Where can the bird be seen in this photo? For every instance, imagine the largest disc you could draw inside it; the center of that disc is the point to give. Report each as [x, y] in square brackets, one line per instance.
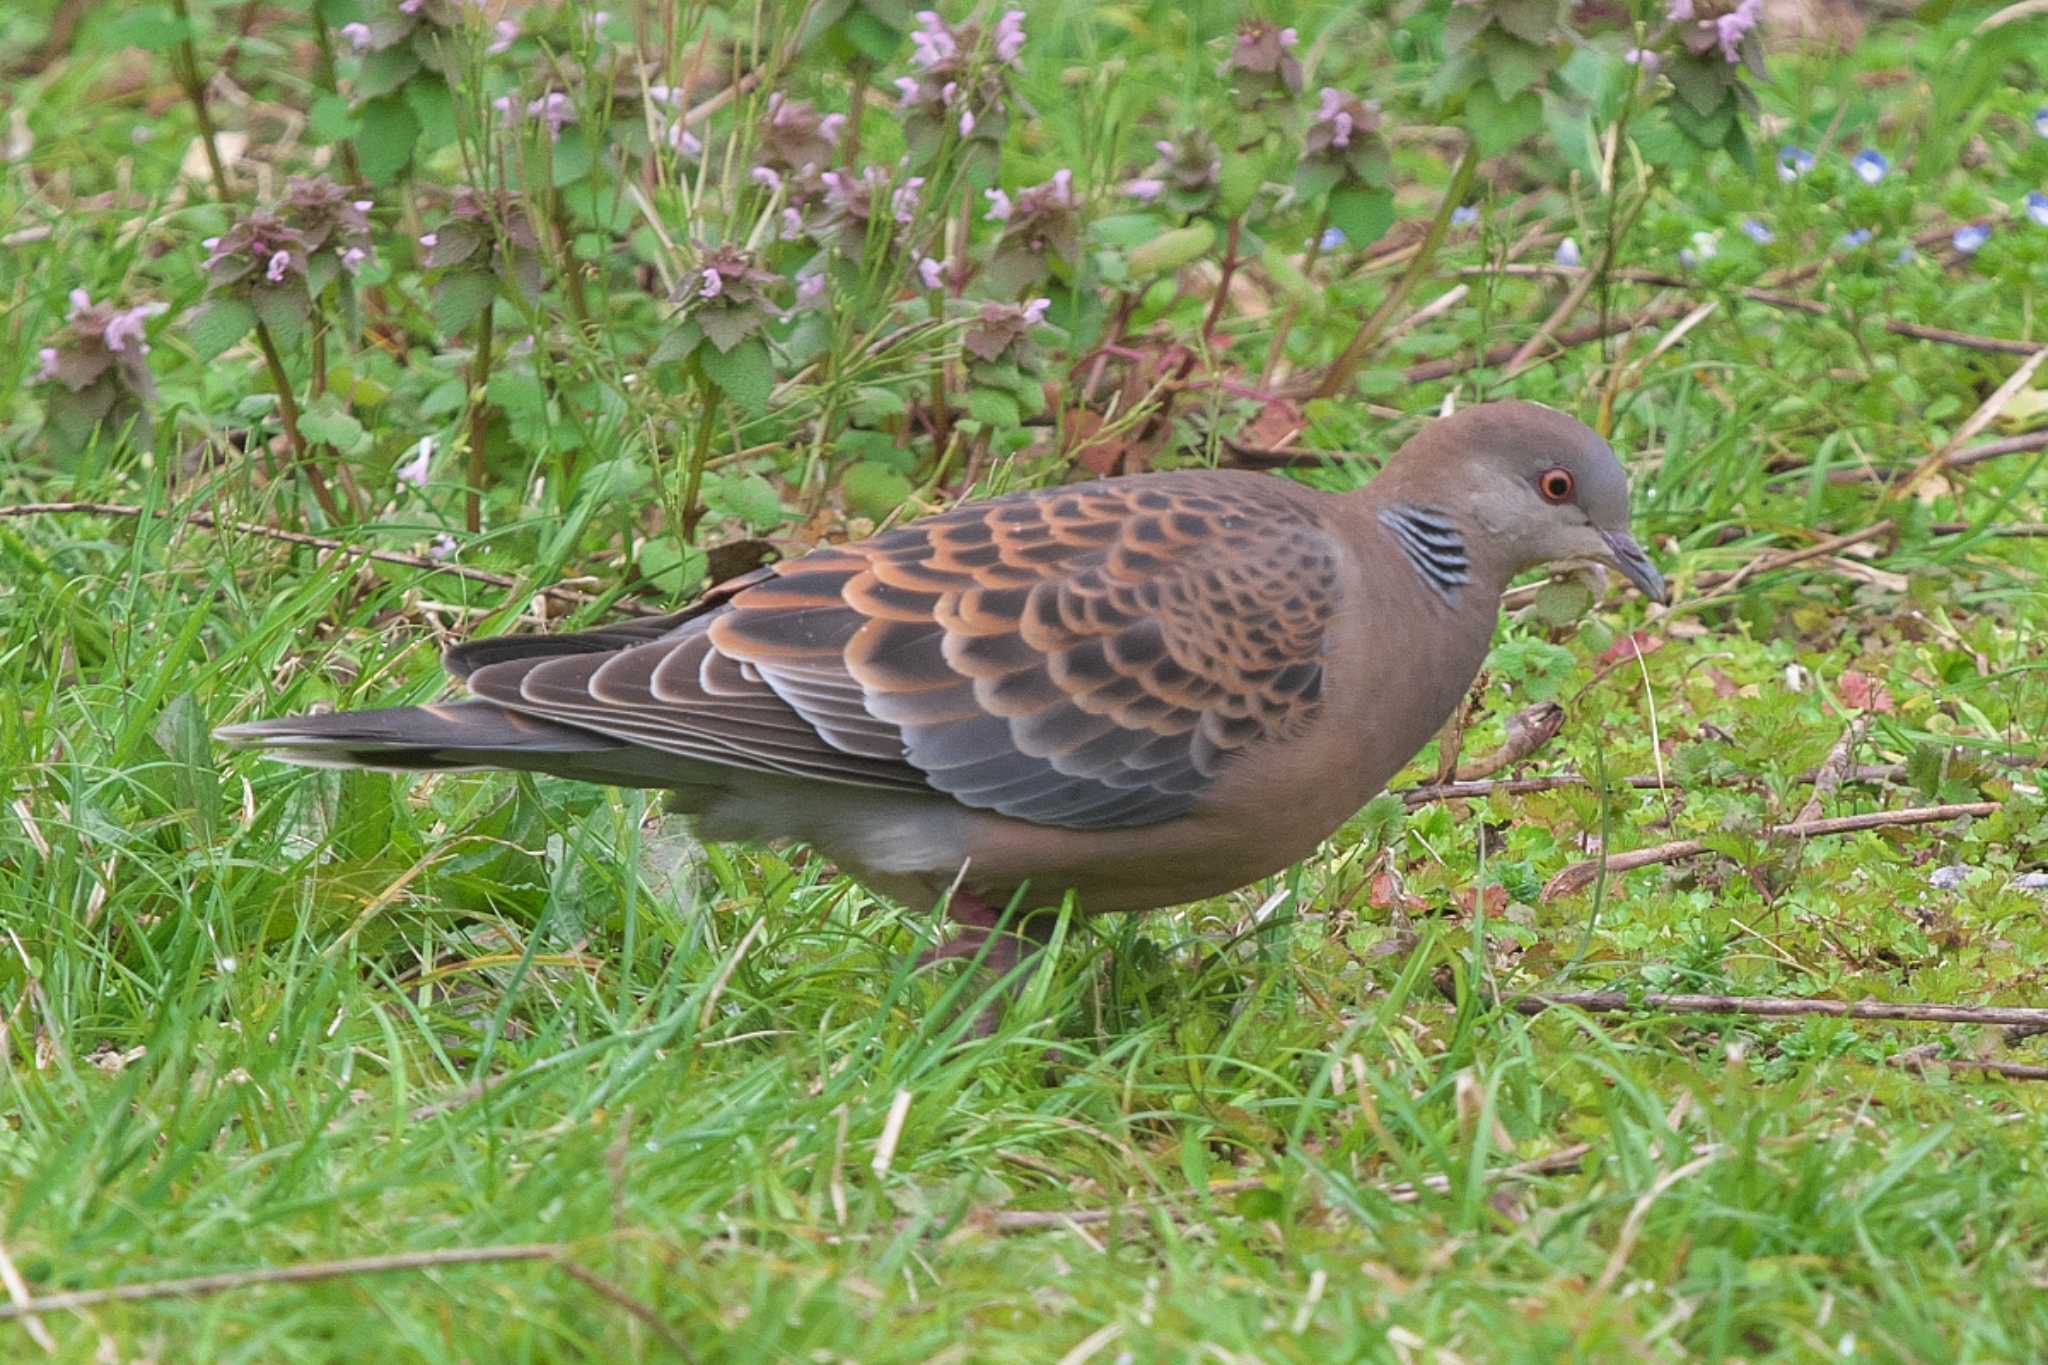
[1143, 691]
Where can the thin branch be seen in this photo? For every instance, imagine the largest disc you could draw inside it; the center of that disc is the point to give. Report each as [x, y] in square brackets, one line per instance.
[1562, 1161]
[1773, 1007]
[2014, 384]
[1721, 585]
[207, 520]
[1580, 875]
[1566, 340]
[639, 1308]
[1835, 771]
[196, 1286]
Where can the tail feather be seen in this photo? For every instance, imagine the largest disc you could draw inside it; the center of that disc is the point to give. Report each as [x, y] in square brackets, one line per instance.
[447, 735]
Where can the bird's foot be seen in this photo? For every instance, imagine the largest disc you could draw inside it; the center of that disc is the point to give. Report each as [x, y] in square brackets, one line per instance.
[1000, 948]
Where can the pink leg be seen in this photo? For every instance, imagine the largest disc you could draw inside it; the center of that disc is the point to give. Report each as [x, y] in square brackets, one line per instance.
[980, 926]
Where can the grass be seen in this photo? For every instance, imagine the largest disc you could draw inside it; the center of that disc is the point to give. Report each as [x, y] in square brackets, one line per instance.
[253, 1017]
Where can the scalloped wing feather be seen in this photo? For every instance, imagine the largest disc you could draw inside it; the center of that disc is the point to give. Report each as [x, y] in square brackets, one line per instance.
[1088, 657]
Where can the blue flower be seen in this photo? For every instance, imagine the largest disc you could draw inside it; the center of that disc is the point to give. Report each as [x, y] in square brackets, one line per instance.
[1852, 240]
[1333, 238]
[1869, 165]
[1793, 162]
[1464, 216]
[2041, 121]
[2037, 207]
[1758, 232]
[1907, 255]
[1968, 239]
[1568, 252]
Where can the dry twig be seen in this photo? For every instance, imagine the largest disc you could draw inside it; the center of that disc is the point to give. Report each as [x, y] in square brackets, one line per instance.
[1581, 875]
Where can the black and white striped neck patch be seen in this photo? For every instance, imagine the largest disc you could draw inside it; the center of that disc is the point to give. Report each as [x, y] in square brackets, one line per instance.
[1434, 548]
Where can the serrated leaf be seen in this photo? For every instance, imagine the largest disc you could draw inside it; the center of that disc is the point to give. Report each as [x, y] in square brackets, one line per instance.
[994, 407]
[1498, 125]
[749, 497]
[1512, 65]
[454, 243]
[283, 312]
[219, 325]
[383, 72]
[327, 423]
[330, 119]
[384, 146]
[872, 404]
[870, 37]
[677, 570]
[744, 374]
[522, 396]
[433, 104]
[874, 490]
[461, 298]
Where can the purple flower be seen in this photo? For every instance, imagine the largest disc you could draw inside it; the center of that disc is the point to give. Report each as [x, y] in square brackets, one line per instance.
[1732, 27]
[444, 547]
[280, 261]
[1793, 162]
[712, 286]
[2037, 207]
[999, 206]
[556, 110]
[1145, 188]
[358, 36]
[1568, 253]
[932, 272]
[810, 289]
[967, 123]
[1034, 311]
[48, 355]
[683, 141]
[80, 301]
[507, 33]
[353, 259]
[1968, 239]
[1679, 11]
[1643, 57]
[413, 473]
[792, 224]
[1010, 36]
[125, 327]
[1852, 241]
[428, 239]
[1333, 113]
[763, 175]
[1465, 215]
[933, 43]
[508, 109]
[907, 90]
[1870, 165]
[410, 6]
[903, 201]
[1758, 232]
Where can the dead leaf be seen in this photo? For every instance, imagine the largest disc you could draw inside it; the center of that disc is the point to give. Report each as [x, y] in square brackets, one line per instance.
[1861, 692]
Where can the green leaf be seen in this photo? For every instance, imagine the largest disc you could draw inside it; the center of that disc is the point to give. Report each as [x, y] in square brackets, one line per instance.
[1239, 183]
[149, 28]
[1363, 214]
[749, 497]
[574, 155]
[284, 312]
[744, 374]
[384, 146]
[461, 298]
[182, 733]
[1499, 125]
[383, 72]
[219, 325]
[433, 104]
[994, 407]
[522, 396]
[872, 404]
[1512, 65]
[1313, 179]
[874, 490]
[328, 423]
[331, 120]
[677, 570]
[1172, 250]
[1127, 230]
[870, 37]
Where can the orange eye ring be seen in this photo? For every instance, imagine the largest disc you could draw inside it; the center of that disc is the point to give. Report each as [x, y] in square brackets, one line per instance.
[1556, 485]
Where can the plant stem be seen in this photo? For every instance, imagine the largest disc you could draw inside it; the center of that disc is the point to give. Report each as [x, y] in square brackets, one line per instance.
[1340, 374]
[479, 422]
[1293, 309]
[288, 413]
[700, 455]
[185, 66]
[324, 40]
